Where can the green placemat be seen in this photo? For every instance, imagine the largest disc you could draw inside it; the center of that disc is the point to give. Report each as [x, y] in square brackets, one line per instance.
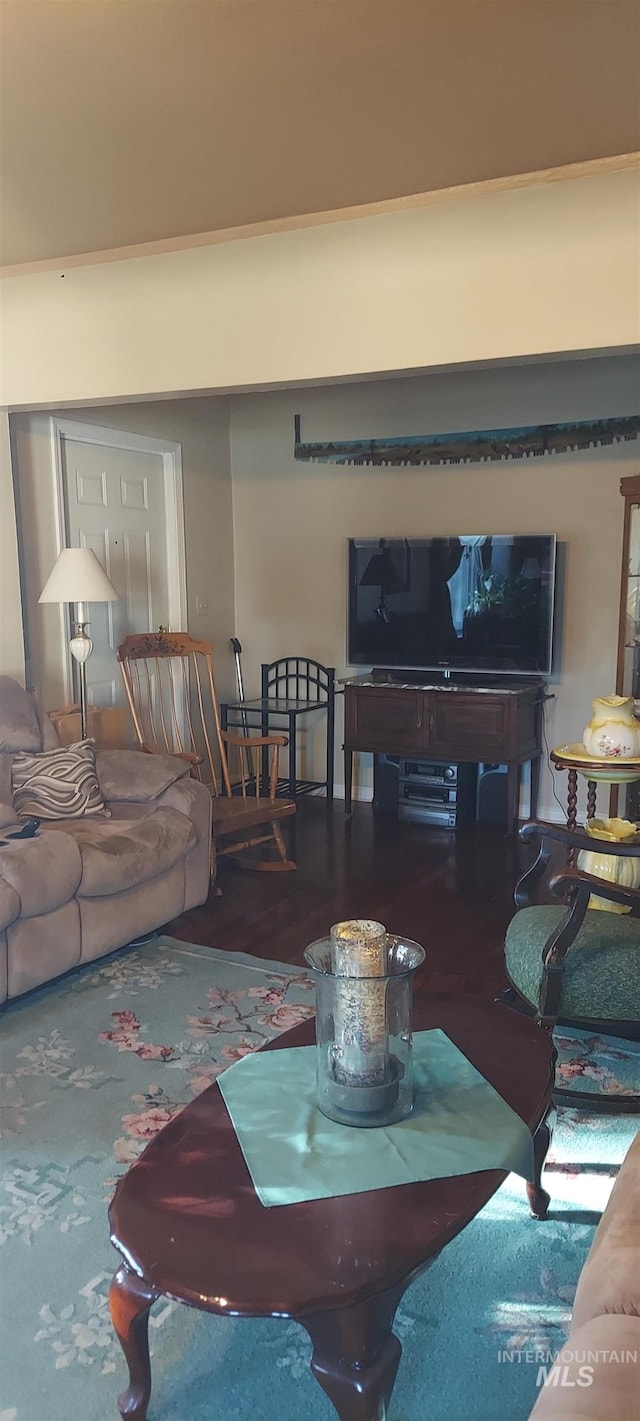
[459, 1125]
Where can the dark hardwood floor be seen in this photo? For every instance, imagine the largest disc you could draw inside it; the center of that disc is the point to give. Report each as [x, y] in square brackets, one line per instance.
[450, 890]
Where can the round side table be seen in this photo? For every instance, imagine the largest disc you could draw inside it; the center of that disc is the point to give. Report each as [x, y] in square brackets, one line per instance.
[577, 761]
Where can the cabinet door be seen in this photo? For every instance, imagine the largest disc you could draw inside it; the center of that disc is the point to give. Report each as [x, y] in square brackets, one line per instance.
[629, 668]
[384, 719]
[473, 727]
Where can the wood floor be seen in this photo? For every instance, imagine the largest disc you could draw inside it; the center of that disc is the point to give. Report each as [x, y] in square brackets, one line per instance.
[450, 891]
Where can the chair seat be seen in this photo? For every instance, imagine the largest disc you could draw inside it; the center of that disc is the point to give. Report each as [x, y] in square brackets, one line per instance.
[601, 969]
[239, 812]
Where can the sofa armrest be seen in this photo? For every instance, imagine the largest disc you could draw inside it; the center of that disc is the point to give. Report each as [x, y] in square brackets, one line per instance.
[610, 1279]
[595, 1377]
[193, 799]
[131, 775]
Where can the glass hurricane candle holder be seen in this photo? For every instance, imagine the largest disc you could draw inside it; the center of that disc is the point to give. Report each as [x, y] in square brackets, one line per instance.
[364, 990]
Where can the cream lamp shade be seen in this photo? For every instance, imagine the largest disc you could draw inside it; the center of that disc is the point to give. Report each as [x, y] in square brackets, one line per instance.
[77, 576]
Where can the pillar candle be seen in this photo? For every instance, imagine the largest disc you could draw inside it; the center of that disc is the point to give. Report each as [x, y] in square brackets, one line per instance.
[359, 951]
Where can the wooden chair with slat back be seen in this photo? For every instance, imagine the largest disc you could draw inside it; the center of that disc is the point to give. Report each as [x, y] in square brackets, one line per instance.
[170, 687]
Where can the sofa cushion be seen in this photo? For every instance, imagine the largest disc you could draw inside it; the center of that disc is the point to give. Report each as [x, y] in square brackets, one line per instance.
[133, 810]
[44, 871]
[19, 729]
[42, 948]
[6, 792]
[132, 775]
[601, 969]
[7, 811]
[50, 739]
[9, 904]
[7, 815]
[57, 784]
[117, 854]
[108, 922]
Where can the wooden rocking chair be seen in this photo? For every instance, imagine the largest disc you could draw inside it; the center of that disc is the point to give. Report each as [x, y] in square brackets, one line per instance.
[170, 687]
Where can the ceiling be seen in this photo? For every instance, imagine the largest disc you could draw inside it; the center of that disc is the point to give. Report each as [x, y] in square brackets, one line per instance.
[130, 121]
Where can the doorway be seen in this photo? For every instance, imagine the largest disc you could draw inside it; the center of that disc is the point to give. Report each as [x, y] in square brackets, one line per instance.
[121, 495]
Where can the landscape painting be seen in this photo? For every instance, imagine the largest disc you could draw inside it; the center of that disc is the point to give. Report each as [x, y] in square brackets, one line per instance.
[471, 446]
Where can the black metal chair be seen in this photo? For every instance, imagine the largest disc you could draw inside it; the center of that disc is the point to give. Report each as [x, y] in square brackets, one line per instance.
[291, 687]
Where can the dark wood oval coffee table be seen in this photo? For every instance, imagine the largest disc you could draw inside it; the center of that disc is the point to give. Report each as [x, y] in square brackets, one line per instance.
[189, 1224]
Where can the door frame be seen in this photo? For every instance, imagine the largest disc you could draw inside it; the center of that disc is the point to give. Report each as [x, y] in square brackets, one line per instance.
[175, 550]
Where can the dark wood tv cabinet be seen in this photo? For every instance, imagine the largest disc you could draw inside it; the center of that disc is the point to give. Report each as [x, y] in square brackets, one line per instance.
[450, 721]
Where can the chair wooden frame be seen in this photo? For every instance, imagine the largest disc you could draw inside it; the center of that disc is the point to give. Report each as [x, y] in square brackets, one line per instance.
[574, 887]
[170, 687]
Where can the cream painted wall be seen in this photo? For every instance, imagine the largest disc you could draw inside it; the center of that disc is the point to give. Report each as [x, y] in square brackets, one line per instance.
[11, 644]
[202, 429]
[289, 522]
[491, 275]
[292, 520]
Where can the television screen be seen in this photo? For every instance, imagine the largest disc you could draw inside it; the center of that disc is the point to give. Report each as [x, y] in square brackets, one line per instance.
[470, 603]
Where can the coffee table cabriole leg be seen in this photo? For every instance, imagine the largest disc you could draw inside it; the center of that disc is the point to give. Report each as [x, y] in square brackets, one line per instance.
[538, 1198]
[130, 1300]
[356, 1356]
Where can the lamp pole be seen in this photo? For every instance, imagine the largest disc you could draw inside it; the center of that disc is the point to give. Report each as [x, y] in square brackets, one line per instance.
[77, 577]
[81, 647]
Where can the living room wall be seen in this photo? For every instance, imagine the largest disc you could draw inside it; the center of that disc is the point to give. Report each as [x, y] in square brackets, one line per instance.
[202, 429]
[549, 265]
[291, 520]
[11, 647]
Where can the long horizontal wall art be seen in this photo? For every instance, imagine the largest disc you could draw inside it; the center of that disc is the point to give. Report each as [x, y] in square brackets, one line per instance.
[471, 446]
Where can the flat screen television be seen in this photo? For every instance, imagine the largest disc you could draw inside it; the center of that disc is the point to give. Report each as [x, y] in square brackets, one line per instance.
[481, 603]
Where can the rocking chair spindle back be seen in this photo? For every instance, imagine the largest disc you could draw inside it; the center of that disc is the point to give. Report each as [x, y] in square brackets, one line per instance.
[170, 687]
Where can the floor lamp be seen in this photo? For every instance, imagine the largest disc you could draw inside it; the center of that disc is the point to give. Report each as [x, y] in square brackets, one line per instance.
[78, 577]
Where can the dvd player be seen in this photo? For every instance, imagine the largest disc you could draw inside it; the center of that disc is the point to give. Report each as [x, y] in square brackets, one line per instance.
[442, 816]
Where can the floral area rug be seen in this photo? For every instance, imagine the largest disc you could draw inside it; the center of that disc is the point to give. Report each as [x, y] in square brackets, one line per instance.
[92, 1066]
[596, 1064]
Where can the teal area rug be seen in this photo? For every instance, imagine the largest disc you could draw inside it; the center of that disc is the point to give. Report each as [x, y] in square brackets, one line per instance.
[92, 1067]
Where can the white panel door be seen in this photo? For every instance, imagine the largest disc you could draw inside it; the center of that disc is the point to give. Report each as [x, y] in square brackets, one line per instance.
[115, 504]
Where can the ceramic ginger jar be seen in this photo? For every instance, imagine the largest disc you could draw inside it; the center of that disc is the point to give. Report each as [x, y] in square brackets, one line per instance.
[613, 731]
[625, 871]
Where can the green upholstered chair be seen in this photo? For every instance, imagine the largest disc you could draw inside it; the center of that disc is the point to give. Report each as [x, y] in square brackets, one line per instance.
[567, 961]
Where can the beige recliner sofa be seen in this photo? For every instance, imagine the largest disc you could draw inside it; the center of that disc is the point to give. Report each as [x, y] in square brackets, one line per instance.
[83, 887]
[597, 1375]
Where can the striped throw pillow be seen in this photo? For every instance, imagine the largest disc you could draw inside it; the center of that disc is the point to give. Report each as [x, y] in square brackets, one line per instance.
[57, 784]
